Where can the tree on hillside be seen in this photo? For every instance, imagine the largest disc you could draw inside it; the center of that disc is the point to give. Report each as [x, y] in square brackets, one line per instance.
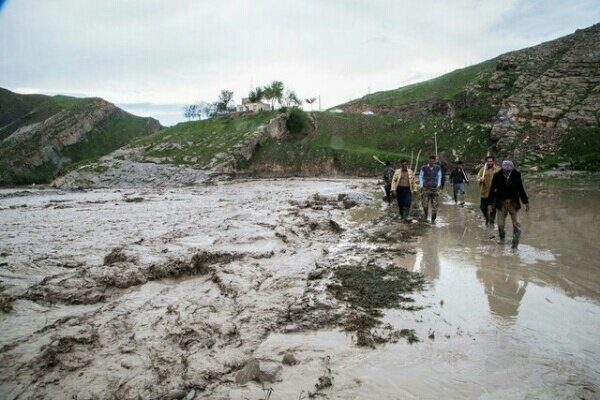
[310, 101]
[208, 109]
[256, 95]
[277, 90]
[274, 92]
[224, 102]
[291, 99]
[190, 111]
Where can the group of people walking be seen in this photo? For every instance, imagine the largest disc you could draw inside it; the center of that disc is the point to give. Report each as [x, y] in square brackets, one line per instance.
[502, 191]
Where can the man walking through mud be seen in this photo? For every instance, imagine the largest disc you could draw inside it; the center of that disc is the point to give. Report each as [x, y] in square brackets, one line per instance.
[388, 173]
[430, 181]
[458, 178]
[484, 177]
[404, 185]
[506, 193]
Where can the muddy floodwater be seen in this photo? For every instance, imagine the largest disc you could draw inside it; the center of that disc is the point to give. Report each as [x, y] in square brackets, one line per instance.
[170, 293]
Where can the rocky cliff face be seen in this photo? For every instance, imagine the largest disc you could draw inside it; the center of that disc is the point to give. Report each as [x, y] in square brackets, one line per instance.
[35, 145]
[540, 104]
[556, 88]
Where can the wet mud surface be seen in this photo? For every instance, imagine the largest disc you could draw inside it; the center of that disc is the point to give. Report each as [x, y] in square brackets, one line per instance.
[265, 289]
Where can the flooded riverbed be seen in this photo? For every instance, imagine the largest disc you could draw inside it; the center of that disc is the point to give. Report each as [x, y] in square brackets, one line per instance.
[150, 294]
[497, 324]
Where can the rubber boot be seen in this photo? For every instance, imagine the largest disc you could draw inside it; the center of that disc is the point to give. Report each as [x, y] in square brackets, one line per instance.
[426, 211]
[406, 212]
[501, 235]
[515, 240]
[433, 216]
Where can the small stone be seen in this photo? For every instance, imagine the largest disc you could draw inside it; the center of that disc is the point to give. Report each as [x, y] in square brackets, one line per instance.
[316, 274]
[176, 394]
[289, 359]
[270, 372]
[249, 372]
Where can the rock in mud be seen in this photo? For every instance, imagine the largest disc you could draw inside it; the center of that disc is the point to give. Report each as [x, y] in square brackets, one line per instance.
[176, 394]
[323, 383]
[354, 199]
[270, 371]
[250, 372]
[261, 371]
[116, 255]
[316, 274]
[289, 359]
[335, 226]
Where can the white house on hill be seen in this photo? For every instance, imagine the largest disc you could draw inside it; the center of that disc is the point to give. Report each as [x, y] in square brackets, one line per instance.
[248, 106]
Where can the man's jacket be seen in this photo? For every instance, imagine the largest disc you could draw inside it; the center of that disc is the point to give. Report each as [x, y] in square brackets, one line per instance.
[513, 191]
[458, 176]
[430, 176]
[487, 181]
[412, 181]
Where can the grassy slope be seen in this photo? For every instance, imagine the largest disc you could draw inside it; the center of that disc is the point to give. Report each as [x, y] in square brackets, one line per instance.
[197, 142]
[18, 110]
[446, 86]
[353, 139]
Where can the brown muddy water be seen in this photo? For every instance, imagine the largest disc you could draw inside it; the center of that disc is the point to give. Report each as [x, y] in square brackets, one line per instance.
[198, 281]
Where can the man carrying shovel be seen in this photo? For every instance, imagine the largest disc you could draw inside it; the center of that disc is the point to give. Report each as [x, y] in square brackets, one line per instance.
[388, 173]
[404, 185]
[430, 181]
[484, 177]
[458, 178]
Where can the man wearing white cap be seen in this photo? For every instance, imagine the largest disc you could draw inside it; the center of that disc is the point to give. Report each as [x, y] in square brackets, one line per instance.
[507, 193]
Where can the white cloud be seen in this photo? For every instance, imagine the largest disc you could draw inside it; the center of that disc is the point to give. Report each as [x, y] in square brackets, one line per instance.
[182, 51]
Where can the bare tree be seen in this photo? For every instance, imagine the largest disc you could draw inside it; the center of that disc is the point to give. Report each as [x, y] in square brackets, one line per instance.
[192, 111]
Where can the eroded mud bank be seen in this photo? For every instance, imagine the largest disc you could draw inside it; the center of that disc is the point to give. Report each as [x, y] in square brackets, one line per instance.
[169, 293]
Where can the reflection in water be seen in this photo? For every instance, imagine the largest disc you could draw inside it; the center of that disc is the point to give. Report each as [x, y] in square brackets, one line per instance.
[504, 291]
[429, 259]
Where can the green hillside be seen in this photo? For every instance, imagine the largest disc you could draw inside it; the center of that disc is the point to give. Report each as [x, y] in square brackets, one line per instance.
[446, 87]
[348, 142]
[41, 136]
[197, 142]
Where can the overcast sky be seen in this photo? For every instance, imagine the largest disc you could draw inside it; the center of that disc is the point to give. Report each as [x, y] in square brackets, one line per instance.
[152, 56]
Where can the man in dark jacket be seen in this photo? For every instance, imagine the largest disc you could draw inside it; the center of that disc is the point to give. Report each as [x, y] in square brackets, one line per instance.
[458, 178]
[507, 192]
[388, 174]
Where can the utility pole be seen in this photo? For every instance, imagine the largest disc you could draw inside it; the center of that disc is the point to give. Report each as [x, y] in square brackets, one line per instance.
[319, 102]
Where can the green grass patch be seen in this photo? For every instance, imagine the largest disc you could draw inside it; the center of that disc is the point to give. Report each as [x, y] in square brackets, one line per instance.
[197, 142]
[351, 141]
[445, 87]
[107, 137]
